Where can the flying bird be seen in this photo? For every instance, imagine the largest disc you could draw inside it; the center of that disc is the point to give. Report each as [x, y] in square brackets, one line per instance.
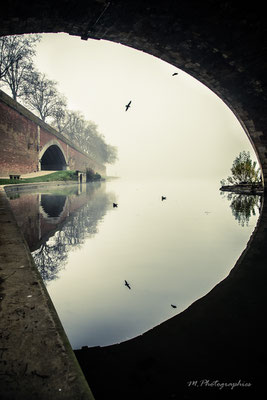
[175, 73]
[163, 198]
[115, 205]
[128, 105]
[127, 284]
[173, 306]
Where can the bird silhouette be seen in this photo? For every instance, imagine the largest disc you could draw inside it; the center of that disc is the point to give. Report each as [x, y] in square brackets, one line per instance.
[173, 306]
[115, 205]
[163, 198]
[175, 73]
[127, 284]
[128, 105]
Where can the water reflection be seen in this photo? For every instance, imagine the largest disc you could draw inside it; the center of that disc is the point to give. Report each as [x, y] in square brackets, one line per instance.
[147, 260]
[58, 220]
[243, 206]
[53, 205]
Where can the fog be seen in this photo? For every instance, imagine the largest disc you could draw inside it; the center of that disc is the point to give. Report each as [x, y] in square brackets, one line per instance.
[175, 127]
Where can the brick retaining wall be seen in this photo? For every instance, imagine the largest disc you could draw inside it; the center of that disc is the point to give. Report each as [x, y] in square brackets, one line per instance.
[23, 136]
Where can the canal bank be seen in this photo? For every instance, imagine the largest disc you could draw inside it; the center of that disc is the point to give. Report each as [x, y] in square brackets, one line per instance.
[36, 359]
[39, 185]
[220, 338]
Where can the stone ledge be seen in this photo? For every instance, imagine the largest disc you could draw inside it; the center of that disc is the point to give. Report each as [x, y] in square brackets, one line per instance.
[31, 186]
[36, 359]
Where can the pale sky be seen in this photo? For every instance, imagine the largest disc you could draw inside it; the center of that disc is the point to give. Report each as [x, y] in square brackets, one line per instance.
[175, 126]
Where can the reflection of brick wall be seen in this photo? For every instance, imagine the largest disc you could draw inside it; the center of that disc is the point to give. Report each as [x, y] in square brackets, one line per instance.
[32, 223]
[18, 142]
[26, 212]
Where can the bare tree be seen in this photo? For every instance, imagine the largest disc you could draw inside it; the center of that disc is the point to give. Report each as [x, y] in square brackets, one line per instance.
[75, 125]
[86, 135]
[5, 57]
[41, 95]
[60, 118]
[16, 64]
[104, 152]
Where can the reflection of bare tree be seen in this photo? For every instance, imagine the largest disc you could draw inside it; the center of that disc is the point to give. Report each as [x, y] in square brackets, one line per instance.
[51, 256]
[243, 206]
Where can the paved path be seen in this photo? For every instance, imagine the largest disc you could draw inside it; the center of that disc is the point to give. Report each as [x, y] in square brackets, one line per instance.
[31, 174]
[36, 359]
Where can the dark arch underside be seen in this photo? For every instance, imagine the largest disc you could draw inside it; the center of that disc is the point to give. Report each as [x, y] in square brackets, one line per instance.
[53, 159]
[221, 337]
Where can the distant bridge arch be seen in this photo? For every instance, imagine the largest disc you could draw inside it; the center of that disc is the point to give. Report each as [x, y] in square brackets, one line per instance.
[52, 157]
[39, 146]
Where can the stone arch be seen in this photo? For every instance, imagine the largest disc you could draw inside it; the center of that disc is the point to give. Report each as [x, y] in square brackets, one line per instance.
[223, 45]
[52, 157]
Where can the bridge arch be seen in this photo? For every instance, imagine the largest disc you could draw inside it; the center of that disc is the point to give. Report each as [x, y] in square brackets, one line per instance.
[223, 45]
[52, 157]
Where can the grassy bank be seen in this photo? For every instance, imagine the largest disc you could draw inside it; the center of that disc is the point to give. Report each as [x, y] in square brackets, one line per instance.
[55, 176]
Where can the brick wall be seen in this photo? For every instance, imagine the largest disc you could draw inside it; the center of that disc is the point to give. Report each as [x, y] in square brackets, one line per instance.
[18, 142]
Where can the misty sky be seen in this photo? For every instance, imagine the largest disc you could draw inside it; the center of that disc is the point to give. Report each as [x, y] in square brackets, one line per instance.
[175, 127]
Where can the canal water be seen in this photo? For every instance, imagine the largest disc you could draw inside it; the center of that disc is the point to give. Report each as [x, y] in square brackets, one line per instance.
[170, 252]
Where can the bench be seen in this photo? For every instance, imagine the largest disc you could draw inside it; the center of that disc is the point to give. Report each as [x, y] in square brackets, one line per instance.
[14, 176]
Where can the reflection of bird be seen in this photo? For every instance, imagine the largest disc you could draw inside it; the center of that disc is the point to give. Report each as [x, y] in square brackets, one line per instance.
[115, 205]
[175, 73]
[173, 306]
[127, 284]
[128, 105]
[163, 198]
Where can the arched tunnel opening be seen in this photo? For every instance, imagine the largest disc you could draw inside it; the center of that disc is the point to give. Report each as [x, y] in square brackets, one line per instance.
[53, 159]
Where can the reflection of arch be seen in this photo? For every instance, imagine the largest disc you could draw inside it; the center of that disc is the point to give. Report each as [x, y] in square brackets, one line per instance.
[52, 206]
[52, 157]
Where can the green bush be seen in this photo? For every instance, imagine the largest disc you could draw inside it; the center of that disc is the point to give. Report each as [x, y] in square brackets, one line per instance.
[92, 176]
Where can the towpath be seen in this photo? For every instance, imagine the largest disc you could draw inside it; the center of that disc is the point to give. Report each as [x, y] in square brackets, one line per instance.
[36, 359]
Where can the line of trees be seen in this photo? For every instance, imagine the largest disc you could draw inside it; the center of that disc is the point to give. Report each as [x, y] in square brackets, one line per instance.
[40, 94]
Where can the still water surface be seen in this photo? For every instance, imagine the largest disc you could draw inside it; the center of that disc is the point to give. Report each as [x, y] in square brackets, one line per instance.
[171, 252]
